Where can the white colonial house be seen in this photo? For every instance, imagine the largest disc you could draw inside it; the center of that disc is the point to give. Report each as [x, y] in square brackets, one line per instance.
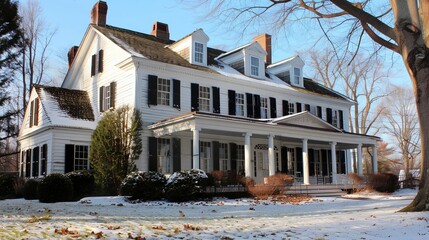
[203, 108]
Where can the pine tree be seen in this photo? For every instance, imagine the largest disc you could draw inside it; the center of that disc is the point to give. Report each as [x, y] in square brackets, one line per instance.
[10, 47]
[115, 145]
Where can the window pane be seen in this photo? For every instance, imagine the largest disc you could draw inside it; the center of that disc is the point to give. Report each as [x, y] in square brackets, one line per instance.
[264, 107]
[81, 157]
[239, 104]
[254, 66]
[199, 52]
[163, 97]
[164, 160]
[204, 99]
[291, 108]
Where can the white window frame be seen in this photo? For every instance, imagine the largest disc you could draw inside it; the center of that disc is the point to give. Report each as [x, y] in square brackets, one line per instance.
[254, 66]
[81, 161]
[264, 108]
[205, 156]
[107, 96]
[296, 76]
[163, 91]
[164, 155]
[204, 99]
[291, 108]
[335, 118]
[198, 52]
[223, 157]
[239, 104]
[240, 159]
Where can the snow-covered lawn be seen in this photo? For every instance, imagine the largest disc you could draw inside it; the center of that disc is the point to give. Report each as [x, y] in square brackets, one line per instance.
[365, 216]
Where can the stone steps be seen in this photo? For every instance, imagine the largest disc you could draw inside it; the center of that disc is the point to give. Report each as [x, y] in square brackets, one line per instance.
[316, 190]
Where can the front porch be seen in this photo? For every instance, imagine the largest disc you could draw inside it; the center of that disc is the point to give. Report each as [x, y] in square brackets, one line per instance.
[300, 145]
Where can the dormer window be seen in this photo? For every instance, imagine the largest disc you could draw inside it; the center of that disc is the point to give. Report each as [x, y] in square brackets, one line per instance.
[199, 52]
[296, 76]
[254, 66]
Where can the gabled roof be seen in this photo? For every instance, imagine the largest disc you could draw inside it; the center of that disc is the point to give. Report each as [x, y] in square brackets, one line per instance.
[66, 107]
[305, 119]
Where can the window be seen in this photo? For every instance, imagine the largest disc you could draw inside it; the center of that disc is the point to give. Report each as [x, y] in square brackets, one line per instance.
[291, 161]
[297, 76]
[107, 97]
[97, 63]
[205, 156]
[239, 104]
[199, 52]
[34, 113]
[254, 66]
[43, 159]
[81, 158]
[264, 107]
[313, 110]
[223, 156]
[291, 108]
[164, 159]
[335, 118]
[204, 99]
[163, 93]
[240, 160]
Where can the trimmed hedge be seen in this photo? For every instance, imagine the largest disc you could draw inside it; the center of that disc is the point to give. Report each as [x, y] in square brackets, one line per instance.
[185, 186]
[383, 182]
[55, 187]
[30, 191]
[143, 185]
[83, 183]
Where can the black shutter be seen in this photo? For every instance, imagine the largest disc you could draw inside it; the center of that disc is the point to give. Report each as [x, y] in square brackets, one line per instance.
[101, 99]
[307, 107]
[216, 165]
[231, 102]
[325, 164]
[153, 155]
[112, 94]
[285, 107]
[31, 113]
[216, 99]
[284, 160]
[319, 111]
[176, 93]
[249, 103]
[329, 115]
[93, 60]
[36, 162]
[36, 112]
[44, 159]
[152, 93]
[177, 160]
[195, 95]
[69, 158]
[100, 60]
[28, 163]
[298, 107]
[257, 108]
[341, 119]
[273, 107]
[298, 152]
[233, 156]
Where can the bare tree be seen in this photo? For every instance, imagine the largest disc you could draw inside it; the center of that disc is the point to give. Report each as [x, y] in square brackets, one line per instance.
[401, 123]
[401, 26]
[387, 162]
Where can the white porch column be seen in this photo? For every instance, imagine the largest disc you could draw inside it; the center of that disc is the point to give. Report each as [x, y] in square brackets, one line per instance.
[334, 162]
[247, 155]
[374, 159]
[305, 163]
[359, 159]
[271, 161]
[196, 148]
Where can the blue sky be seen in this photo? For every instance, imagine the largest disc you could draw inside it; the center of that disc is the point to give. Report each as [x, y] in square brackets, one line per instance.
[70, 18]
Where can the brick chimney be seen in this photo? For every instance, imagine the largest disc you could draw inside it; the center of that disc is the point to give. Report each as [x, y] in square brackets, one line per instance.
[99, 13]
[160, 30]
[72, 54]
[265, 41]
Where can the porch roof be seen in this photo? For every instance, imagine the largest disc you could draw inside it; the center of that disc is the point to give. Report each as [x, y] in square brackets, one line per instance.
[295, 127]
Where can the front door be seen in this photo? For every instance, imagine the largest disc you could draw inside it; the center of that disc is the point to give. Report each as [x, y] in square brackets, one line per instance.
[261, 165]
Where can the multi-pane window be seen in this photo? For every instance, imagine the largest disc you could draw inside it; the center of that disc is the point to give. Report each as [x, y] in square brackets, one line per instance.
[264, 107]
[43, 159]
[240, 159]
[239, 104]
[34, 112]
[296, 76]
[335, 118]
[223, 156]
[164, 159]
[204, 99]
[107, 96]
[81, 157]
[199, 52]
[291, 108]
[164, 87]
[291, 161]
[254, 66]
[205, 156]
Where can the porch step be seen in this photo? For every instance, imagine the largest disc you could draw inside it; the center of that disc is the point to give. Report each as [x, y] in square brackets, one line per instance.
[316, 190]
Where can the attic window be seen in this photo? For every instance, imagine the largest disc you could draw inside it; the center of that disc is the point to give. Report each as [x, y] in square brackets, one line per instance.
[34, 112]
[254, 66]
[199, 52]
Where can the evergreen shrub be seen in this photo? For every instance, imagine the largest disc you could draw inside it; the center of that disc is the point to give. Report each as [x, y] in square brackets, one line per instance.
[55, 187]
[143, 185]
[185, 186]
[30, 191]
[383, 182]
[7, 186]
[83, 183]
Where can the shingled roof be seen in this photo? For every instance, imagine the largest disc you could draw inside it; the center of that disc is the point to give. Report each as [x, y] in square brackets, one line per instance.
[74, 103]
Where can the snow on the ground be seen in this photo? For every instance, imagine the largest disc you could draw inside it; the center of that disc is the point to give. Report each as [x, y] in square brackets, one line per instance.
[357, 216]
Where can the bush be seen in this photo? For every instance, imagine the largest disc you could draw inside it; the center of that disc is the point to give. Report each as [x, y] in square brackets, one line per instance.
[185, 186]
[83, 183]
[383, 182]
[55, 187]
[143, 185]
[275, 185]
[30, 191]
[7, 186]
